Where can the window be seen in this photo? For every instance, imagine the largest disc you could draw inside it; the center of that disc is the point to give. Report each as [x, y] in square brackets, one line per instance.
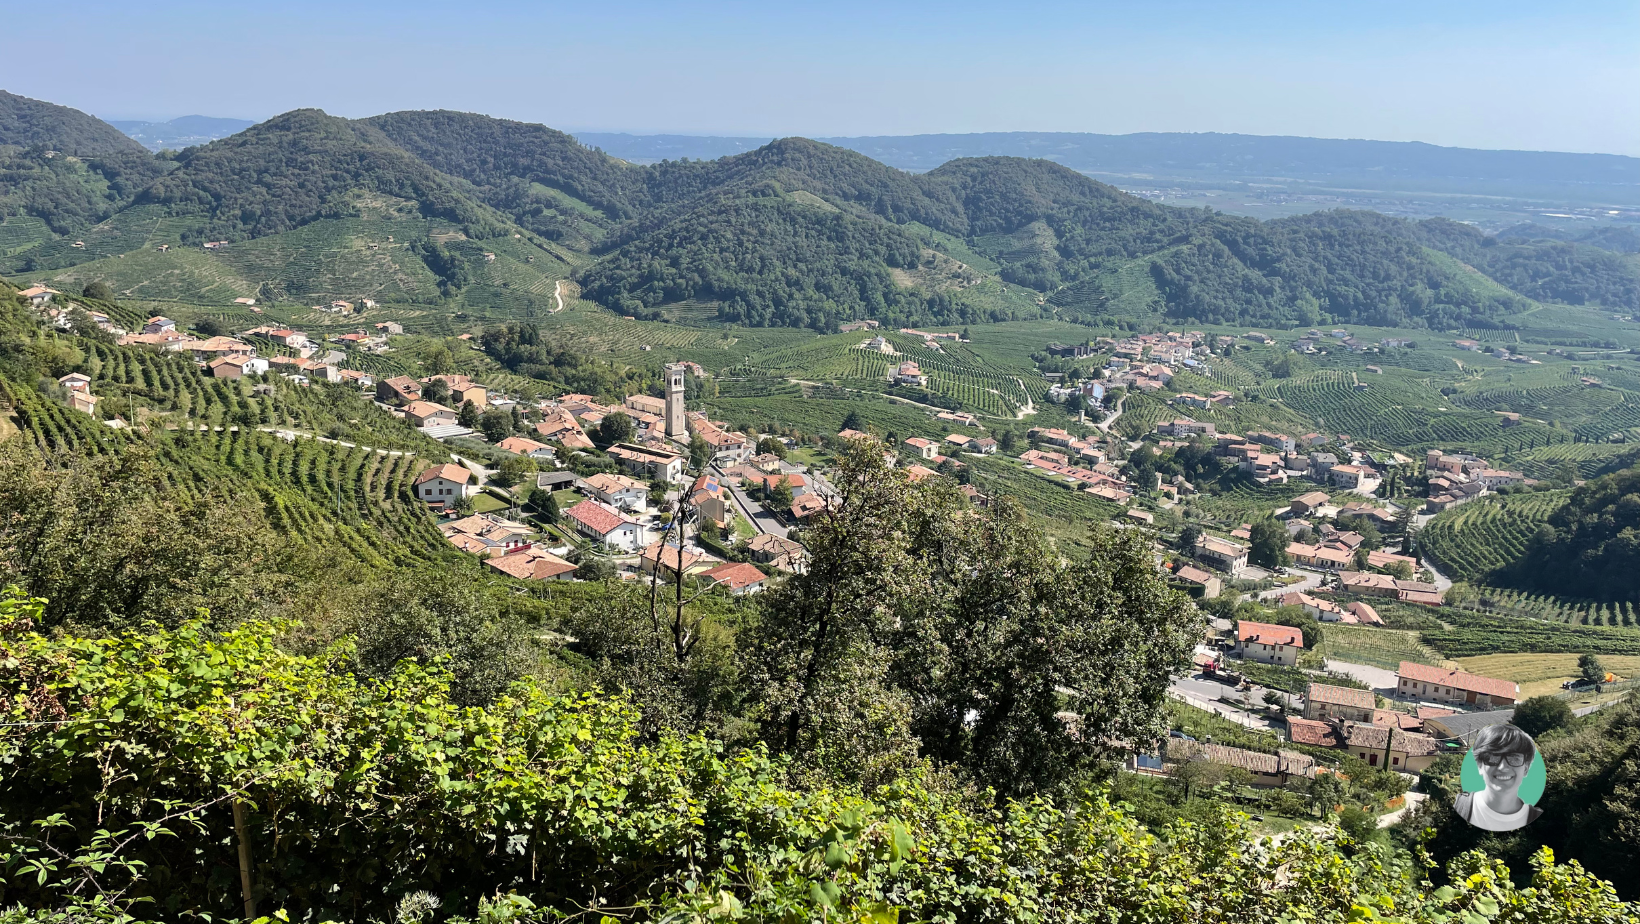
[1395, 760]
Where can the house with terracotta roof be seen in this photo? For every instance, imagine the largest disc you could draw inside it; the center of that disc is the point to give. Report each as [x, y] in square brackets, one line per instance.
[524, 446]
[1382, 585]
[1323, 702]
[1311, 732]
[1222, 554]
[400, 390]
[853, 435]
[1364, 614]
[1271, 644]
[919, 472]
[76, 381]
[1444, 685]
[778, 552]
[649, 461]
[618, 491]
[442, 483]
[807, 506]
[532, 564]
[1276, 769]
[1306, 504]
[646, 404]
[462, 389]
[669, 559]
[738, 578]
[429, 414]
[155, 325]
[1390, 748]
[484, 534]
[1196, 577]
[1324, 610]
[596, 520]
[927, 449]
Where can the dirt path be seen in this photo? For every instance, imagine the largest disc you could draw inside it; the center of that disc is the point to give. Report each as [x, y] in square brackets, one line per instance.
[558, 292]
[1029, 408]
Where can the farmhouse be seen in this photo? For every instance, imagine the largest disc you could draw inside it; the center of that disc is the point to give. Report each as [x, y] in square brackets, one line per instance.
[651, 462]
[428, 414]
[1439, 684]
[532, 564]
[618, 491]
[739, 578]
[524, 446]
[607, 525]
[1324, 701]
[1259, 641]
[1222, 554]
[442, 483]
[1196, 577]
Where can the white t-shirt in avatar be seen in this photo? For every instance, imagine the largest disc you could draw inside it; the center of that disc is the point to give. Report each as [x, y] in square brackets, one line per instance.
[1482, 816]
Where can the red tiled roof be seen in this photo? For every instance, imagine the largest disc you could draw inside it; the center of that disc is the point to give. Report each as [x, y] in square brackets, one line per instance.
[531, 564]
[1458, 680]
[735, 575]
[1268, 634]
[596, 517]
[1305, 731]
[1339, 696]
[447, 471]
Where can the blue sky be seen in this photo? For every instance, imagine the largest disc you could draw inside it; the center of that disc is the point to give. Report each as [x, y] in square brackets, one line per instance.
[1540, 76]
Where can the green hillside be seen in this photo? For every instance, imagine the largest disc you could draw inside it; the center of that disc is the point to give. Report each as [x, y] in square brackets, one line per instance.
[28, 123]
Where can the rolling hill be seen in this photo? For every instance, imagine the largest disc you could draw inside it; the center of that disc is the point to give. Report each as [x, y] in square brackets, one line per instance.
[29, 123]
[428, 207]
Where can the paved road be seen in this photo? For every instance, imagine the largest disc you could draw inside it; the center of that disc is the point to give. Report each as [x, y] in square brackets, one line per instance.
[1382, 680]
[761, 519]
[1312, 580]
[1111, 420]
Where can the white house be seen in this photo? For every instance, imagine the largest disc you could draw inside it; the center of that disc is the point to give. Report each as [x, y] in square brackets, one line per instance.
[442, 483]
[607, 525]
[618, 491]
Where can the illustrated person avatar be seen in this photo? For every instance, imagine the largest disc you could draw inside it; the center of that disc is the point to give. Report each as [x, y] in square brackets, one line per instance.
[1502, 777]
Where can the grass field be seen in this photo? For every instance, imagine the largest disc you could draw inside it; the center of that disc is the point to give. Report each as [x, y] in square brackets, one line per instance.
[1539, 674]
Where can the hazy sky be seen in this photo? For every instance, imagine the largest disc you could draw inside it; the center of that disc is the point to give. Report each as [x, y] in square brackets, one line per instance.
[1497, 74]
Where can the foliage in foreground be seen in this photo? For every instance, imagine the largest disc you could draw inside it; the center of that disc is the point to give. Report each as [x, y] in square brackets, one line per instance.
[124, 757]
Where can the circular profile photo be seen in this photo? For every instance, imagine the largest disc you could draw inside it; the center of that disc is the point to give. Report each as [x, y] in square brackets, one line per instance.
[1502, 780]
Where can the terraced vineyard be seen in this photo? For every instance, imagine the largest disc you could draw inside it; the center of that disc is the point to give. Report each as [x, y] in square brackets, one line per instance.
[341, 500]
[1378, 647]
[1545, 461]
[1472, 541]
[1394, 411]
[1468, 634]
[1554, 609]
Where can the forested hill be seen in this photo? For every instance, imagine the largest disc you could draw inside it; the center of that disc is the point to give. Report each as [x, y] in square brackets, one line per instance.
[28, 122]
[794, 233]
[1590, 547]
[298, 167]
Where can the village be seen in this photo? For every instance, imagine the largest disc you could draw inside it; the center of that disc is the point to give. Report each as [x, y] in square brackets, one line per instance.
[647, 490]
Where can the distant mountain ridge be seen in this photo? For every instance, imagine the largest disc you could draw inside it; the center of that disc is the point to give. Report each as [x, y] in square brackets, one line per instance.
[182, 132]
[485, 212]
[1598, 178]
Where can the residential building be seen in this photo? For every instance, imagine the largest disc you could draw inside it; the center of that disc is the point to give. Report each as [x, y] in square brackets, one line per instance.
[1196, 577]
[669, 559]
[779, 552]
[649, 461]
[442, 483]
[158, 324]
[429, 414]
[927, 449]
[400, 390]
[236, 365]
[909, 373]
[1354, 478]
[1324, 610]
[524, 446]
[1306, 504]
[1222, 554]
[738, 578]
[1267, 770]
[1324, 702]
[1390, 748]
[618, 491]
[1270, 644]
[810, 504]
[1443, 685]
[532, 564]
[607, 525]
[462, 390]
[75, 381]
[485, 534]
